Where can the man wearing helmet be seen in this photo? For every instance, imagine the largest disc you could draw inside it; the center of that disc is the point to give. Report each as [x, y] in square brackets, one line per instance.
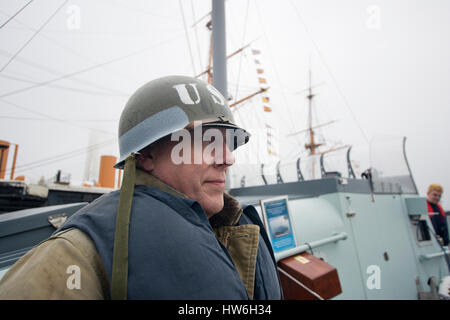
[171, 232]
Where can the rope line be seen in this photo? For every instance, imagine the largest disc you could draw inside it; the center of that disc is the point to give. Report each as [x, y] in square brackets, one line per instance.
[14, 15]
[33, 36]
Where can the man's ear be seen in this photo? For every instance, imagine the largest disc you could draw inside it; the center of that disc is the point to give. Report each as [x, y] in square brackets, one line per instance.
[145, 162]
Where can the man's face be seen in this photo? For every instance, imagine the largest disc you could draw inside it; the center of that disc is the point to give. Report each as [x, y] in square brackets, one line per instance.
[434, 196]
[203, 181]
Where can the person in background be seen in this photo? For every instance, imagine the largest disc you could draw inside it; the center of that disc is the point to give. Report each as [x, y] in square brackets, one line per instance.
[436, 213]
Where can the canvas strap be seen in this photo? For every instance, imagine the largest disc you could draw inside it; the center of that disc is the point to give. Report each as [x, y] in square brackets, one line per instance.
[119, 277]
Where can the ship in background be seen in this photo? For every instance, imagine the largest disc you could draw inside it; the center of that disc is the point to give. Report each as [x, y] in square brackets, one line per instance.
[17, 194]
[365, 218]
[356, 208]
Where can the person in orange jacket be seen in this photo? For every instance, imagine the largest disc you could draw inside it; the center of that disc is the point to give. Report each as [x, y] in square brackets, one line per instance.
[436, 213]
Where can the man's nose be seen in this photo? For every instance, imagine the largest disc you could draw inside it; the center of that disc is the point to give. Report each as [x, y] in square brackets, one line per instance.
[224, 158]
[229, 156]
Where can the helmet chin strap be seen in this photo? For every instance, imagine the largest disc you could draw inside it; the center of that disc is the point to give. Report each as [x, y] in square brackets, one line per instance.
[119, 275]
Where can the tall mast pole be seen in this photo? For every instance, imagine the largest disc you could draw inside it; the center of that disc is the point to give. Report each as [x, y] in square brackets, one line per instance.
[219, 47]
[312, 146]
[311, 132]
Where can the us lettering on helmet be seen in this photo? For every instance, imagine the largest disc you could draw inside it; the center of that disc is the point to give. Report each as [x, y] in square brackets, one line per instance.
[184, 94]
[186, 98]
[216, 96]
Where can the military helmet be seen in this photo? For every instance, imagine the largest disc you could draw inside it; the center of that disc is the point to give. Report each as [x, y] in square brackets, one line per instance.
[166, 105]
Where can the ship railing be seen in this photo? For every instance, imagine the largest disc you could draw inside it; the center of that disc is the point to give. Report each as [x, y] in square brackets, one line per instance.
[383, 162]
[310, 245]
[430, 256]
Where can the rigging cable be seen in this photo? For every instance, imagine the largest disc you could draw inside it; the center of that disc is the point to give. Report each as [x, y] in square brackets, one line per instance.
[187, 37]
[72, 51]
[34, 35]
[60, 157]
[14, 15]
[44, 119]
[57, 86]
[122, 5]
[53, 118]
[96, 66]
[243, 43]
[196, 35]
[329, 72]
[58, 73]
[283, 95]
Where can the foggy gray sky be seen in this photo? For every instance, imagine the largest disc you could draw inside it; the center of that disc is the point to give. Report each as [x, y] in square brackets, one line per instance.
[383, 69]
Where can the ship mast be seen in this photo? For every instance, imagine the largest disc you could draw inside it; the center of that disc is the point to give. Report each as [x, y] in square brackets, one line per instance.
[311, 146]
[209, 69]
[219, 58]
[219, 48]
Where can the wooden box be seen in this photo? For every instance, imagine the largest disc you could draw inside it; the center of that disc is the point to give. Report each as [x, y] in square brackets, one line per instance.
[312, 272]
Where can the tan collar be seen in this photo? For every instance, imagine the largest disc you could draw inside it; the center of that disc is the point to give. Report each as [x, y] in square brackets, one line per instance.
[228, 216]
[147, 179]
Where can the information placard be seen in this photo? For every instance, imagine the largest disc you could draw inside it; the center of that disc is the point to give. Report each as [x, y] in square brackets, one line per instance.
[277, 220]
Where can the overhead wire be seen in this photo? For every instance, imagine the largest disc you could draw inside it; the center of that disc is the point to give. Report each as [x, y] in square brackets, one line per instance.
[53, 118]
[333, 78]
[187, 37]
[238, 110]
[56, 86]
[93, 67]
[32, 37]
[254, 119]
[138, 10]
[23, 118]
[78, 32]
[78, 54]
[48, 119]
[58, 73]
[72, 51]
[14, 15]
[196, 36]
[290, 117]
[243, 43]
[61, 157]
[47, 83]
